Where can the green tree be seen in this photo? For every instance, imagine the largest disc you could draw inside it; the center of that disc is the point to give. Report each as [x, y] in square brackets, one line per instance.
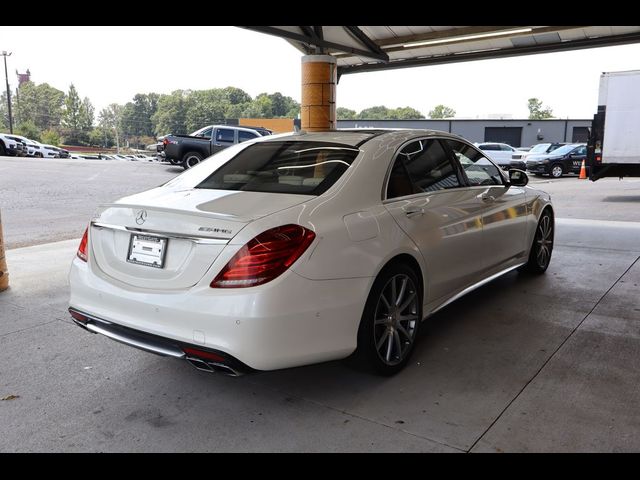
[406, 113]
[536, 112]
[50, 137]
[101, 137]
[171, 113]
[29, 129]
[442, 111]
[109, 119]
[137, 116]
[4, 112]
[260, 107]
[40, 104]
[71, 118]
[379, 112]
[87, 111]
[204, 107]
[345, 113]
[235, 96]
[282, 106]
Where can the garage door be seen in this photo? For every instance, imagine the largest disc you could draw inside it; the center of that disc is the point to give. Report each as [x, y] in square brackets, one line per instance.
[580, 134]
[510, 135]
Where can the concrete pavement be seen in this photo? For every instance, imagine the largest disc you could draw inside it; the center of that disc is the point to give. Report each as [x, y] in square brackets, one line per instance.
[523, 364]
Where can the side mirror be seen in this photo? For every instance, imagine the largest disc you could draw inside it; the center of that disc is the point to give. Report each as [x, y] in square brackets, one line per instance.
[518, 178]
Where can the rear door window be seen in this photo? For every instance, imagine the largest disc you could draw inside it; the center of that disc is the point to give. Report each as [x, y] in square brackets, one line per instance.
[429, 166]
[243, 136]
[225, 135]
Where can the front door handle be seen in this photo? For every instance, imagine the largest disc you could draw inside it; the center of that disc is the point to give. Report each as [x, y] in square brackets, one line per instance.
[488, 198]
[414, 212]
[217, 144]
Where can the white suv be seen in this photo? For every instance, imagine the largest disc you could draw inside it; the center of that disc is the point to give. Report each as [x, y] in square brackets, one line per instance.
[500, 153]
[9, 145]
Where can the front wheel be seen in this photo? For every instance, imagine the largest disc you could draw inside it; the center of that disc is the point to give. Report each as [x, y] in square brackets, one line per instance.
[191, 159]
[557, 170]
[391, 319]
[542, 246]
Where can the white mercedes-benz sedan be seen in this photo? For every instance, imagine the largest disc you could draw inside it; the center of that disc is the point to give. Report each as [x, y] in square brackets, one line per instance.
[301, 248]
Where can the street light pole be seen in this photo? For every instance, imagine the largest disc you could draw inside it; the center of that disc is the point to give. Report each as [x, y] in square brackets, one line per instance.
[6, 76]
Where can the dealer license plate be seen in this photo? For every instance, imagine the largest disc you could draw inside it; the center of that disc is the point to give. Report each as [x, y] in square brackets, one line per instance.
[148, 251]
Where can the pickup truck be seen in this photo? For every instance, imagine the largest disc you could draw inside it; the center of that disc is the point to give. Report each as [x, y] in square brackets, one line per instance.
[189, 150]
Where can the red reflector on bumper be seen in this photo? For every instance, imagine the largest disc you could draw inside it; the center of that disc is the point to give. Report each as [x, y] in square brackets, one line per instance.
[78, 316]
[194, 352]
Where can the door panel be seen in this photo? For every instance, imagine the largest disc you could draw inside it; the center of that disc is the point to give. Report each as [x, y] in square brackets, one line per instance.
[504, 225]
[448, 233]
[504, 212]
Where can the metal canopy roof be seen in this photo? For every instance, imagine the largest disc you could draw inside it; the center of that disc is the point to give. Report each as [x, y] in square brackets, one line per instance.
[367, 48]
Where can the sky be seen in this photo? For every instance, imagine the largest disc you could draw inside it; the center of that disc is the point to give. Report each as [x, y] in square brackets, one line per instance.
[112, 64]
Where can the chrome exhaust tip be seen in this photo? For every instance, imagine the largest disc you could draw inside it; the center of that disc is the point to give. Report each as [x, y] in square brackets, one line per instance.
[212, 367]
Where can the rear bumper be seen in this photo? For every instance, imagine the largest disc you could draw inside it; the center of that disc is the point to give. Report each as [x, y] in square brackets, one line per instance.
[288, 322]
[160, 345]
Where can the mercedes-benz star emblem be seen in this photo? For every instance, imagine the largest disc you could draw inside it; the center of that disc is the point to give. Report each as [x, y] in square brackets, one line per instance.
[141, 217]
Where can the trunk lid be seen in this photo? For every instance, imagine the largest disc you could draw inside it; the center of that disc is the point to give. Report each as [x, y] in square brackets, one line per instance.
[193, 226]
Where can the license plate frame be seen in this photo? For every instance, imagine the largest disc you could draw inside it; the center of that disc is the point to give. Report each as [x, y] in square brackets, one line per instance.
[147, 250]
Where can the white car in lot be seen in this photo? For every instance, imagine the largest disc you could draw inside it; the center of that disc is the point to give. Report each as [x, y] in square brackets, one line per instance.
[500, 153]
[9, 145]
[301, 248]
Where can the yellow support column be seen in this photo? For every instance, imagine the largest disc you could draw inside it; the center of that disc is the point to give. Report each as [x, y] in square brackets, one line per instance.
[4, 272]
[319, 79]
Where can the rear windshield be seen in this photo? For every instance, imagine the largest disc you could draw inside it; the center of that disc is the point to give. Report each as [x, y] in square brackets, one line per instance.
[307, 168]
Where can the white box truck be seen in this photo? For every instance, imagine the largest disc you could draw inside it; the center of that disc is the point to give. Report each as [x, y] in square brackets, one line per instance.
[613, 149]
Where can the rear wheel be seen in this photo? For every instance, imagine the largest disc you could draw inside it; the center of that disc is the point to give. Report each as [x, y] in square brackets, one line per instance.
[191, 159]
[542, 246]
[391, 319]
[556, 170]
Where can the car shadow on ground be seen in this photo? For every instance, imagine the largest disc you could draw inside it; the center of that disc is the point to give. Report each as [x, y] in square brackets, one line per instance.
[623, 199]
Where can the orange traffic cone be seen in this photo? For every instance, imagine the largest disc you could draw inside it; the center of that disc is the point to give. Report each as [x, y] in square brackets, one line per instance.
[583, 171]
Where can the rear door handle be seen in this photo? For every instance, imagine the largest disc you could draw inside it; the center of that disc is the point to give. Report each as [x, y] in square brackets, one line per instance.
[414, 212]
[217, 144]
[488, 198]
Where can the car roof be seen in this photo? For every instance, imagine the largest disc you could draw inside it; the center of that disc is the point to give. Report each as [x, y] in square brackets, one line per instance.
[356, 136]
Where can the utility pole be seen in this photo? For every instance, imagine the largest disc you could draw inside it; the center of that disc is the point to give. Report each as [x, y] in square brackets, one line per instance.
[6, 76]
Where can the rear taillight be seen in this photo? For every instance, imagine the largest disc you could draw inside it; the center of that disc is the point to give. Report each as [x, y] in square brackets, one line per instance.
[82, 249]
[165, 141]
[265, 257]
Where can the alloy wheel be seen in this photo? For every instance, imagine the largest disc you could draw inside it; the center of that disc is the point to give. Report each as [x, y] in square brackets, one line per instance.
[396, 319]
[556, 171]
[544, 241]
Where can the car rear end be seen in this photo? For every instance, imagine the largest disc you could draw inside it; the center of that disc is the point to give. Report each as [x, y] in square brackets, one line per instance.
[212, 278]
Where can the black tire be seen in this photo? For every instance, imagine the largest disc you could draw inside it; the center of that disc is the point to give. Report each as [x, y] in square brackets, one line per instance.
[385, 340]
[557, 170]
[3, 151]
[191, 159]
[542, 246]
[39, 155]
